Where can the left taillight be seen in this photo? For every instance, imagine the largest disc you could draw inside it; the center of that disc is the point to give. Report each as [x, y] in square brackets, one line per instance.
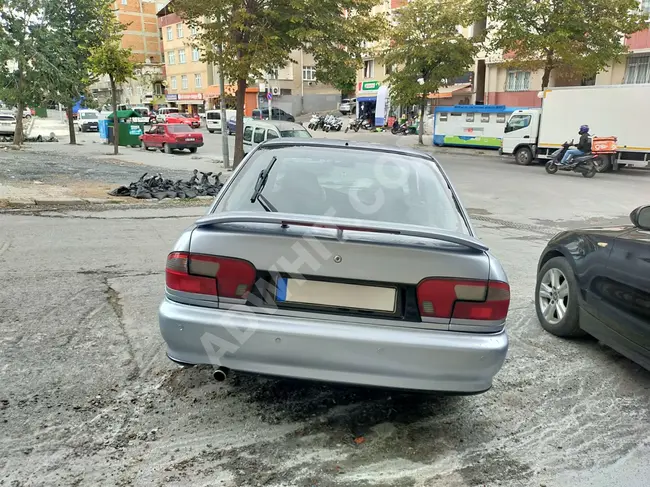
[207, 274]
[463, 299]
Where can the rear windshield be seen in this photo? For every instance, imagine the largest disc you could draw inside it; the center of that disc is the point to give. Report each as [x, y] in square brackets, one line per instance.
[296, 133]
[143, 112]
[349, 183]
[89, 116]
[179, 128]
[213, 116]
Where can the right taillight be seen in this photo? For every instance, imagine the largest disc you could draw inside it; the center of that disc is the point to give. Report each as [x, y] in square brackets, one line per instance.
[463, 299]
[208, 274]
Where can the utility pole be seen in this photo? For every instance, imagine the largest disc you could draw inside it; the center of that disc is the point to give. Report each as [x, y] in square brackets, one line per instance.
[224, 121]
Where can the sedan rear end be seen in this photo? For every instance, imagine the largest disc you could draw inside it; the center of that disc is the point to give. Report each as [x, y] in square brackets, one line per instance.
[180, 136]
[332, 262]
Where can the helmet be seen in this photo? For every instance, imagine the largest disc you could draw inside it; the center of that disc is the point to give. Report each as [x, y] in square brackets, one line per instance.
[583, 129]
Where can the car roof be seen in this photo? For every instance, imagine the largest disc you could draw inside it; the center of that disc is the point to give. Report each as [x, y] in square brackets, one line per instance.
[345, 144]
[278, 124]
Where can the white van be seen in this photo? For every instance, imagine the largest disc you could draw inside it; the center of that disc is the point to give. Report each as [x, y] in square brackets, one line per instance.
[163, 112]
[213, 120]
[257, 131]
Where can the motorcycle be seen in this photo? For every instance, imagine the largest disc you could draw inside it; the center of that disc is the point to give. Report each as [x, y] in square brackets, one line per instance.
[354, 125]
[584, 164]
[332, 123]
[314, 121]
[400, 129]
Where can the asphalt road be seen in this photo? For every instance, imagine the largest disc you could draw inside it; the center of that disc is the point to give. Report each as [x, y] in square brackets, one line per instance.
[88, 397]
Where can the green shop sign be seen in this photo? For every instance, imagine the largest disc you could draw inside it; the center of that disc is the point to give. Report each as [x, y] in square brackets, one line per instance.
[370, 85]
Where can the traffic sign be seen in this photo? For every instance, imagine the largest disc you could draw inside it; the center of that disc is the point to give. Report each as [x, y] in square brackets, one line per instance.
[269, 96]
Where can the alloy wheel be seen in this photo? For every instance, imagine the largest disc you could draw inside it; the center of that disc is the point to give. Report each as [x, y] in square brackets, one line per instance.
[554, 296]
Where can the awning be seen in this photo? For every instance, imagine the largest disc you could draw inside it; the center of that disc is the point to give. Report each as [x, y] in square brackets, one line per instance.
[449, 91]
[367, 98]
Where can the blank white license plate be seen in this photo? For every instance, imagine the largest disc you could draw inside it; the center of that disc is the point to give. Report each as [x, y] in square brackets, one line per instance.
[336, 294]
[189, 140]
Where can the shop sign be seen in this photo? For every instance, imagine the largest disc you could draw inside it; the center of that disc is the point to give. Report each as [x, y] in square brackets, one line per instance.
[171, 97]
[370, 85]
[190, 96]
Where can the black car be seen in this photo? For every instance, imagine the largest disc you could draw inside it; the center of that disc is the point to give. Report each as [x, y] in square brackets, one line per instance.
[278, 114]
[597, 281]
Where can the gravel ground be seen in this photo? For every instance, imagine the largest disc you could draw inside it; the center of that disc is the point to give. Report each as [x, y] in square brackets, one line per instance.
[89, 398]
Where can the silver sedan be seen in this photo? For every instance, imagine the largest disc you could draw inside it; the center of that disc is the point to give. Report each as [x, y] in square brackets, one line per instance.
[341, 262]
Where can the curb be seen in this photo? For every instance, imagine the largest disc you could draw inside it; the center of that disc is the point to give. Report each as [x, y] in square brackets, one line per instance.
[27, 203]
[457, 151]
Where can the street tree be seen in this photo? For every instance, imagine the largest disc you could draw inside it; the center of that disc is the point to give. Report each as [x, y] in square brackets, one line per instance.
[27, 46]
[80, 26]
[427, 51]
[113, 61]
[257, 36]
[576, 37]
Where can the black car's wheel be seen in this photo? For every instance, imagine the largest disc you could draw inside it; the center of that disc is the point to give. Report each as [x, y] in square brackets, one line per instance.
[192, 150]
[551, 167]
[556, 299]
[523, 156]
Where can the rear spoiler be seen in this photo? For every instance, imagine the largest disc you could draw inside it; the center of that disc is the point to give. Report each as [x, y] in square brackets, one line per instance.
[341, 225]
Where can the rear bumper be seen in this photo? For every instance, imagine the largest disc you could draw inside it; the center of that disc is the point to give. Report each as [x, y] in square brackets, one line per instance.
[356, 353]
[186, 145]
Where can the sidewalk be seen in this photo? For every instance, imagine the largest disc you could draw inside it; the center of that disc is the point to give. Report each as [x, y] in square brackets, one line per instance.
[45, 126]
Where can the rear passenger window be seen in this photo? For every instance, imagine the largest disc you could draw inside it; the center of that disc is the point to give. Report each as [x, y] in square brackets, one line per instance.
[248, 134]
[214, 116]
[259, 135]
[271, 134]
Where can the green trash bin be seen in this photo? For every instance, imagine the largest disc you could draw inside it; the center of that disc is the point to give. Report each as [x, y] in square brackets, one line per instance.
[41, 111]
[129, 132]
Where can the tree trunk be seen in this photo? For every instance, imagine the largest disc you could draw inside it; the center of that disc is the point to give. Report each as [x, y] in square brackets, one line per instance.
[423, 105]
[73, 135]
[547, 76]
[239, 123]
[116, 132]
[19, 135]
[224, 121]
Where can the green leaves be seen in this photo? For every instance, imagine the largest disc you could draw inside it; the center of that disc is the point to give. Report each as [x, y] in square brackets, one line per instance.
[427, 46]
[574, 37]
[112, 60]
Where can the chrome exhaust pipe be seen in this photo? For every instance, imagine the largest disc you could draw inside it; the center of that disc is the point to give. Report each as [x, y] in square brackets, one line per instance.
[221, 374]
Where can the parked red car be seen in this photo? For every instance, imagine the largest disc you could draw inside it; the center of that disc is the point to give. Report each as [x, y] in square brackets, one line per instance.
[171, 136]
[185, 118]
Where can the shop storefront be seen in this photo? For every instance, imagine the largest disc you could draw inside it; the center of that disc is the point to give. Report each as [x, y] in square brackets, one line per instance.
[191, 102]
[213, 92]
[373, 101]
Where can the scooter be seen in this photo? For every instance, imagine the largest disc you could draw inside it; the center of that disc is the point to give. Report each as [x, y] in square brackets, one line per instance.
[314, 121]
[584, 164]
[400, 129]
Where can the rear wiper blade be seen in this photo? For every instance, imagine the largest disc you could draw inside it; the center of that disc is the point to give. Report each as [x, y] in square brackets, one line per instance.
[259, 186]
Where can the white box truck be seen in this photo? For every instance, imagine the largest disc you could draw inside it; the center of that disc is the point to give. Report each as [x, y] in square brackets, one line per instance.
[620, 111]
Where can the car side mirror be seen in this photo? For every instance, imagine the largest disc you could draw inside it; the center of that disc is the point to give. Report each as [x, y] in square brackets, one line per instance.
[641, 217]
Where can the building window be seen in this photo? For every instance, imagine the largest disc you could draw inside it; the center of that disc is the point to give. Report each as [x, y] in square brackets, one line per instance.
[197, 81]
[170, 34]
[124, 2]
[273, 74]
[308, 73]
[517, 80]
[184, 82]
[645, 5]
[196, 54]
[637, 70]
[181, 56]
[194, 31]
[388, 69]
[173, 82]
[158, 89]
[369, 68]
[179, 30]
[171, 57]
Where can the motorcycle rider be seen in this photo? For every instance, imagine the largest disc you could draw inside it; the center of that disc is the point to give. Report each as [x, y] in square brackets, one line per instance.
[582, 147]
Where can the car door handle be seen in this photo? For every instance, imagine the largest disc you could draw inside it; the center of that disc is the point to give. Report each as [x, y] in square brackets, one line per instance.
[526, 136]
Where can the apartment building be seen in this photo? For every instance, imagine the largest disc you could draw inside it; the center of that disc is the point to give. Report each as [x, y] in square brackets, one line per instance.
[514, 87]
[141, 36]
[187, 76]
